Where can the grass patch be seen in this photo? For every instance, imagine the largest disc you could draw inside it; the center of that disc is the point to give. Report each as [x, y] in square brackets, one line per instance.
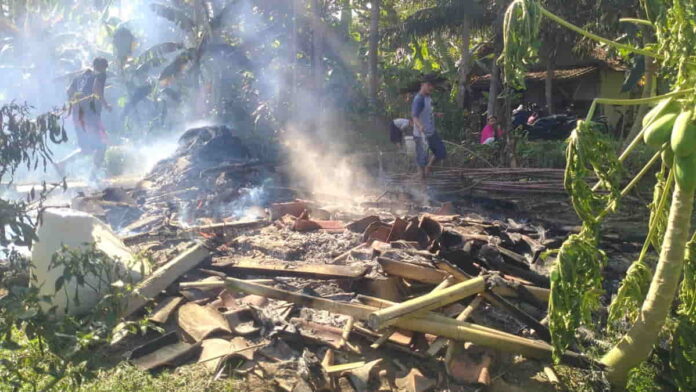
[189, 378]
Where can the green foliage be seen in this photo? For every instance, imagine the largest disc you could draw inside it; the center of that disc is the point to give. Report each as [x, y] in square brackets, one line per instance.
[541, 153]
[521, 40]
[683, 349]
[576, 279]
[52, 352]
[25, 141]
[589, 152]
[576, 286]
[675, 22]
[643, 378]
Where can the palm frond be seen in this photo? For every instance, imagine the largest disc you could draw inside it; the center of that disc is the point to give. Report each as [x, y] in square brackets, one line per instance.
[174, 15]
[447, 15]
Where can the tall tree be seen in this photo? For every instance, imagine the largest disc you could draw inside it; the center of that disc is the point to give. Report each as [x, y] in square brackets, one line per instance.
[457, 18]
[373, 83]
[464, 61]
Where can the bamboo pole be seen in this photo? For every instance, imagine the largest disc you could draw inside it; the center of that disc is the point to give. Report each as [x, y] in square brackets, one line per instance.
[434, 324]
[539, 293]
[390, 331]
[463, 316]
[437, 299]
[383, 338]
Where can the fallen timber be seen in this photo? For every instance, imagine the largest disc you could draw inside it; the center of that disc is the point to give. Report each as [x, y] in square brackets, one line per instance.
[431, 323]
[436, 299]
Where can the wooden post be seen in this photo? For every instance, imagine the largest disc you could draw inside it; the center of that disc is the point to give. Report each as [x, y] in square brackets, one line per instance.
[163, 277]
[385, 317]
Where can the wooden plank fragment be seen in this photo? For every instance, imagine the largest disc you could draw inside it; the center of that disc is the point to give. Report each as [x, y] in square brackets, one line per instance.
[163, 277]
[248, 265]
[411, 271]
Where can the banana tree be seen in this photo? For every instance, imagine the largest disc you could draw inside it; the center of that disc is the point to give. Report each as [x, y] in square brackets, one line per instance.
[645, 297]
[204, 37]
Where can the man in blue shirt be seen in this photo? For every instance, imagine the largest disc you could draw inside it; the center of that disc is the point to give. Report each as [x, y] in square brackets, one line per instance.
[424, 132]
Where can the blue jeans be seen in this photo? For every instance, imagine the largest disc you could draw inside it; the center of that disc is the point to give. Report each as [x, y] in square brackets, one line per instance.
[434, 143]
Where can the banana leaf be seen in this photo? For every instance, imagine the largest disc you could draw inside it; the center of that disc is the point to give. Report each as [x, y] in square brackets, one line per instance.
[174, 15]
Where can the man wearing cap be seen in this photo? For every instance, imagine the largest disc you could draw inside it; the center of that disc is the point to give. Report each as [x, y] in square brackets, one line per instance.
[424, 133]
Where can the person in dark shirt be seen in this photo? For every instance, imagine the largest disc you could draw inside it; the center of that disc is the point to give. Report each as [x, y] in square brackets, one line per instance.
[424, 133]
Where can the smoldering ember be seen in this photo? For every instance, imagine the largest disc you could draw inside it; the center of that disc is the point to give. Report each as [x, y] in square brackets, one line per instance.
[347, 195]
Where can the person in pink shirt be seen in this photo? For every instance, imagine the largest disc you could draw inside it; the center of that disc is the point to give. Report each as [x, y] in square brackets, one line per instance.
[491, 131]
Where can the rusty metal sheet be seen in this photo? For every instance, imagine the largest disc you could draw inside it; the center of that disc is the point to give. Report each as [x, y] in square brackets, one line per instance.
[294, 208]
[213, 353]
[325, 334]
[414, 233]
[471, 364]
[415, 381]
[431, 227]
[446, 209]
[278, 351]
[164, 309]
[243, 348]
[377, 231]
[360, 225]
[361, 376]
[305, 225]
[397, 230]
[199, 322]
[242, 321]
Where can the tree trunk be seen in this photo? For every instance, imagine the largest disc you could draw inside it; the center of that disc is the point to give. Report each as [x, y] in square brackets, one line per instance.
[636, 345]
[346, 17]
[317, 57]
[493, 88]
[373, 83]
[648, 91]
[464, 62]
[548, 85]
[287, 92]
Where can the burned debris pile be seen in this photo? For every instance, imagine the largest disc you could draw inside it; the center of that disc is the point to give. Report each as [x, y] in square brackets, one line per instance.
[211, 176]
[313, 295]
[300, 301]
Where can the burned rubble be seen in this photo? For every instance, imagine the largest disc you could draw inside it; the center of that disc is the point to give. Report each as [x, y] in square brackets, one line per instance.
[310, 303]
[308, 296]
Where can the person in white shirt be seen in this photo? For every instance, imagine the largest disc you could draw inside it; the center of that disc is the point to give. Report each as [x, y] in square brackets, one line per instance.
[397, 129]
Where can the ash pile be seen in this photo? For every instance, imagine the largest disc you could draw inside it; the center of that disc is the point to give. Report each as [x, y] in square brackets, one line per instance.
[312, 300]
[211, 177]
